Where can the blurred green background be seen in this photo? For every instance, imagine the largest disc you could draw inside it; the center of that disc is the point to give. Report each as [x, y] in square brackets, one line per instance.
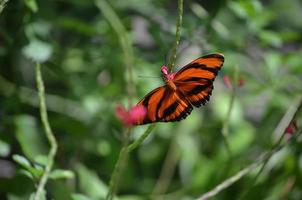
[85, 76]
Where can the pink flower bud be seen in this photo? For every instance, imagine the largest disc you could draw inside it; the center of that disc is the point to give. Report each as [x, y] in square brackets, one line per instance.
[227, 81]
[291, 128]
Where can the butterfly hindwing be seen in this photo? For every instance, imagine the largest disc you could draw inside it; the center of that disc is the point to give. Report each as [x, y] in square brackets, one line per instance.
[197, 92]
[164, 105]
[195, 80]
[175, 107]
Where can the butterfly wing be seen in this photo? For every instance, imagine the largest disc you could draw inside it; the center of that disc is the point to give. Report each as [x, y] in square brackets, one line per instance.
[195, 80]
[164, 105]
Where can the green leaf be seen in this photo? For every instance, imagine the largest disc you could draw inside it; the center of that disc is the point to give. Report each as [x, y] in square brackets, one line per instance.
[27, 174]
[32, 5]
[273, 61]
[4, 148]
[21, 161]
[79, 197]
[241, 138]
[90, 184]
[221, 105]
[238, 9]
[270, 38]
[41, 159]
[37, 50]
[28, 137]
[35, 171]
[61, 174]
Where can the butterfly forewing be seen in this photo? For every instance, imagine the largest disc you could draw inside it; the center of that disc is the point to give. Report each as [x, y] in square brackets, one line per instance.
[205, 67]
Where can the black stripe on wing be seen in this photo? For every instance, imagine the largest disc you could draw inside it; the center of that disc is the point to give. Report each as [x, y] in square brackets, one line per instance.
[184, 114]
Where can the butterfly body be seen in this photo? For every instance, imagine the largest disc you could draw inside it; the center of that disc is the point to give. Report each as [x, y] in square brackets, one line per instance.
[191, 86]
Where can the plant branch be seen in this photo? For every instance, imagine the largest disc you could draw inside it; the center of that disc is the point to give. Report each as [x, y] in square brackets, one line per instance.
[177, 36]
[119, 167]
[49, 134]
[227, 183]
[279, 130]
[286, 119]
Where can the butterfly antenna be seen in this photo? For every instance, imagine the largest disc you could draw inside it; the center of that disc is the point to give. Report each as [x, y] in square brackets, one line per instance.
[140, 76]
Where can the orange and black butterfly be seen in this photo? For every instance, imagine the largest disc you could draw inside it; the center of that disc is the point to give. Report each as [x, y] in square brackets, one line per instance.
[191, 86]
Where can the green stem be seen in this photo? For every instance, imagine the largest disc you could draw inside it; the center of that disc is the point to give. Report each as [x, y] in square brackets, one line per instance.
[118, 168]
[177, 36]
[140, 140]
[49, 134]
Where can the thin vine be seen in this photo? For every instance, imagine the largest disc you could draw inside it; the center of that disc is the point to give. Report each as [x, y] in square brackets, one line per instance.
[49, 134]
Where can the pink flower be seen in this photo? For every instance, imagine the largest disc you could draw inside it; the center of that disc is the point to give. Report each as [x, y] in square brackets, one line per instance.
[291, 128]
[132, 116]
[227, 81]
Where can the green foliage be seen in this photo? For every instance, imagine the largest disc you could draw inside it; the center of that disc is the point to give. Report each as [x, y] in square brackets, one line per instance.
[86, 56]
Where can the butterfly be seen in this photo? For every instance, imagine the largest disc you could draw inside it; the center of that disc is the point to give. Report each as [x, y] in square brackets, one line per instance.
[191, 86]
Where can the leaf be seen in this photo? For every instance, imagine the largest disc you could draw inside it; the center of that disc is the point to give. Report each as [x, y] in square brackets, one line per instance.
[21, 161]
[79, 197]
[238, 9]
[61, 174]
[37, 50]
[270, 38]
[4, 149]
[35, 171]
[28, 137]
[32, 5]
[90, 184]
[221, 105]
[41, 159]
[27, 174]
[241, 138]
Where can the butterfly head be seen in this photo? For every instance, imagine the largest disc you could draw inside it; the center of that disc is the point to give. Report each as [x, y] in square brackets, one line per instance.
[166, 75]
